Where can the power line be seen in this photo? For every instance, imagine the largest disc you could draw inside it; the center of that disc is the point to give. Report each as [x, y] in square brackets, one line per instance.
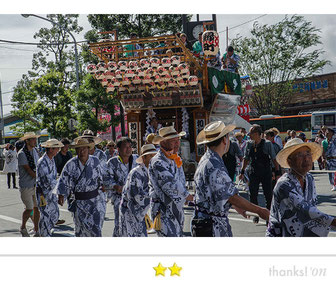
[244, 23]
[37, 43]
[31, 50]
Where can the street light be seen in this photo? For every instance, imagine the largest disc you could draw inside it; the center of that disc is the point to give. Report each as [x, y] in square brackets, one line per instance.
[57, 24]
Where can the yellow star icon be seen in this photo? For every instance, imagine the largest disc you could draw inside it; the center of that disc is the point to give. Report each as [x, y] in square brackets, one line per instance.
[160, 270]
[175, 270]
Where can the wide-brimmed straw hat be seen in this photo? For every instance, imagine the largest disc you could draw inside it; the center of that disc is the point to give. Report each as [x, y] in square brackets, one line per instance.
[88, 134]
[82, 142]
[29, 135]
[294, 144]
[52, 143]
[145, 150]
[213, 131]
[111, 143]
[167, 133]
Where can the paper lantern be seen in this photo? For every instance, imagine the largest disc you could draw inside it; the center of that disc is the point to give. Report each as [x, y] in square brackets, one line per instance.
[140, 72]
[136, 80]
[126, 81]
[118, 74]
[162, 71]
[109, 75]
[174, 71]
[144, 63]
[101, 67]
[157, 79]
[112, 66]
[210, 43]
[181, 82]
[171, 83]
[101, 77]
[104, 82]
[123, 65]
[115, 82]
[166, 78]
[150, 72]
[166, 62]
[147, 79]
[155, 62]
[193, 80]
[133, 65]
[152, 85]
[183, 68]
[110, 88]
[91, 68]
[129, 73]
[122, 89]
[175, 60]
[185, 75]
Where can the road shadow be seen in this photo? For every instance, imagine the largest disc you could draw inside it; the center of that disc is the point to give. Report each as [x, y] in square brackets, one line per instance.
[331, 199]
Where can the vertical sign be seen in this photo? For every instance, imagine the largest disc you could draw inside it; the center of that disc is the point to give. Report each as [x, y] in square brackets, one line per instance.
[200, 124]
[134, 131]
[200, 120]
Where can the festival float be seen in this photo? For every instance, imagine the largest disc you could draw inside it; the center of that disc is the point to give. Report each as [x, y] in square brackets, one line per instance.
[177, 86]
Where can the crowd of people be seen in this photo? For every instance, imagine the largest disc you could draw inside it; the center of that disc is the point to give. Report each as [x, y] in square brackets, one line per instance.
[149, 191]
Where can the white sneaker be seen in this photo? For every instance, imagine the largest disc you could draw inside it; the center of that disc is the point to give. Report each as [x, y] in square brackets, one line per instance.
[333, 189]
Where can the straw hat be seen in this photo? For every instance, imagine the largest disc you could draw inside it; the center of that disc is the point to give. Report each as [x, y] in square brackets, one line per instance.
[52, 143]
[82, 142]
[150, 137]
[145, 150]
[88, 134]
[167, 133]
[29, 135]
[213, 131]
[111, 143]
[293, 145]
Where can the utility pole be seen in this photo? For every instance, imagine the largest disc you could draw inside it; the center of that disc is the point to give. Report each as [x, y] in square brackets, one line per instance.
[1, 113]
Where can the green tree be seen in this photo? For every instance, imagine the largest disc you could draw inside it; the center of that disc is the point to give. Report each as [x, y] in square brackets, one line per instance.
[53, 106]
[57, 51]
[23, 100]
[91, 99]
[144, 25]
[274, 56]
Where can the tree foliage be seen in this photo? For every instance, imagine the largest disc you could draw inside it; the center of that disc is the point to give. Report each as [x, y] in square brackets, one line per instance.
[57, 51]
[91, 100]
[53, 106]
[275, 55]
[49, 106]
[22, 101]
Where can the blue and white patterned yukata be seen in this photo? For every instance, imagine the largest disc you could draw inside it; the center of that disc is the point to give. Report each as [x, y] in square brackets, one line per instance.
[89, 213]
[46, 180]
[294, 212]
[116, 174]
[167, 189]
[214, 188]
[135, 203]
[331, 163]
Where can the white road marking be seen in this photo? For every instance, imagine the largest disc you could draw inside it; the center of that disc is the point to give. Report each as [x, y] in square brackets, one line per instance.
[14, 220]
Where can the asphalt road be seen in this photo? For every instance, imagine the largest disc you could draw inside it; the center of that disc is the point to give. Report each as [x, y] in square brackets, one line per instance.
[11, 209]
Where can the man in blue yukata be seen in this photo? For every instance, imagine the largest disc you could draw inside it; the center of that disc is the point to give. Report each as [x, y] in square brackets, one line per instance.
[293, 210]
[82, 178]
[167, 185]
[46, 194]
[135, 196]
[215, 191]
[116, 174]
